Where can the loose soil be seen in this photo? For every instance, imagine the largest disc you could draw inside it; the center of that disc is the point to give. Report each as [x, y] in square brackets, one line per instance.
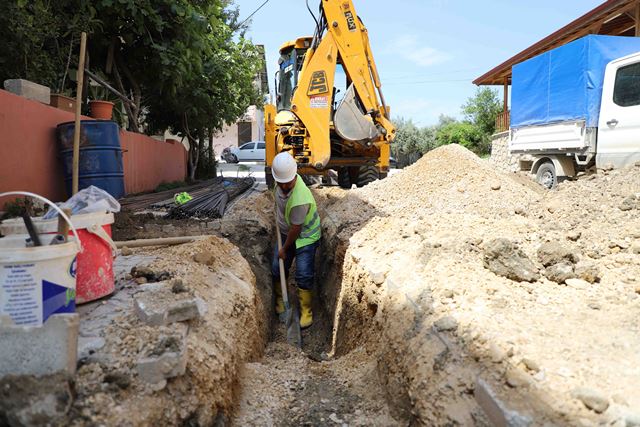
[405, 285]
[107, 389]
[413, 324]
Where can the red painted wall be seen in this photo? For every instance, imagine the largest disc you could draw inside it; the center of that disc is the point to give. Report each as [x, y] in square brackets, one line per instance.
[29, 154]
[149, 162]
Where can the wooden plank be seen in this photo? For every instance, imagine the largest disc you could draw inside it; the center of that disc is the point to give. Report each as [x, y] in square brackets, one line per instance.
[637, 18]
[506, 95]
[76, 134]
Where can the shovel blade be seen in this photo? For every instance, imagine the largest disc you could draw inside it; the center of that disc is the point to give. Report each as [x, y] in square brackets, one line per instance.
[292, 323]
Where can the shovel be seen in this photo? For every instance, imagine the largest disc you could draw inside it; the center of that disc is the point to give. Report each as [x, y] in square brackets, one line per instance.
[290, 316]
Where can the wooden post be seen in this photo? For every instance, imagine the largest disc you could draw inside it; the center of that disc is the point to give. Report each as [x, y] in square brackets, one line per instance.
[76, 133]
[637, 15]
[506, 95]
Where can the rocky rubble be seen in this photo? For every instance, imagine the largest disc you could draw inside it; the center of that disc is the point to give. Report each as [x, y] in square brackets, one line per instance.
[540, 285]
[165, 353]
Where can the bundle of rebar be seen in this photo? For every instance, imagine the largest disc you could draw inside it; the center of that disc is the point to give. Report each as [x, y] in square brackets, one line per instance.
[165, 198]
[213, 203]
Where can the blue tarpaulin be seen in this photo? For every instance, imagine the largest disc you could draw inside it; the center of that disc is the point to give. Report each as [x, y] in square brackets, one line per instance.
[566, 83]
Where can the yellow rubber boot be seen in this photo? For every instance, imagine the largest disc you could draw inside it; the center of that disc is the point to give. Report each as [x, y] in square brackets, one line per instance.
[279, 300]
[306, 314]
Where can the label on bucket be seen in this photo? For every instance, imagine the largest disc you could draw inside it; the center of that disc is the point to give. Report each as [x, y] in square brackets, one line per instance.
[29, 299]
[21, 294]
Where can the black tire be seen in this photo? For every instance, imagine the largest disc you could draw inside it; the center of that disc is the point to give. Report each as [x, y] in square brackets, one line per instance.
[271, 183]
[344, 179]
[367, 175]
[233, 159]
[546, 176]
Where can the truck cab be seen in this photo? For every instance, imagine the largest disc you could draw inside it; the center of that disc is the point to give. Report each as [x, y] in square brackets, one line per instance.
[618, 142]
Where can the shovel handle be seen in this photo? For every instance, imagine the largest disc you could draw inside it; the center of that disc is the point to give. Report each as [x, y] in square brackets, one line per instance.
[283, 277]
[63, 226]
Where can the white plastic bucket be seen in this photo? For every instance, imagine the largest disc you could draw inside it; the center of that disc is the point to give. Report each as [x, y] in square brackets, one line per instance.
[95, 278]
[37, 282]
[14, 226]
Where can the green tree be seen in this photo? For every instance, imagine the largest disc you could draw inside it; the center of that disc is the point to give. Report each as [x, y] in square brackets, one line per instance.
[482, 110]
[184, 63]
[40, 39]
[463, 133]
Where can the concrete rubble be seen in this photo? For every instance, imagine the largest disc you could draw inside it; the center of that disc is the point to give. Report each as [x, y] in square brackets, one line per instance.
[43, 350]
[158, 304]
[29, 90]
[167, 359]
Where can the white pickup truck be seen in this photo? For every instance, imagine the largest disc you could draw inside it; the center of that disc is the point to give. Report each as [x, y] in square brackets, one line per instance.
[575, 107]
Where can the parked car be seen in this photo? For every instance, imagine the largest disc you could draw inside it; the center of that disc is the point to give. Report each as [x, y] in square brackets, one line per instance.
[250, 152]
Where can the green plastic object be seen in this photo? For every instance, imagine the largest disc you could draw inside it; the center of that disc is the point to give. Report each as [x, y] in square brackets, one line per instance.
[182, 198]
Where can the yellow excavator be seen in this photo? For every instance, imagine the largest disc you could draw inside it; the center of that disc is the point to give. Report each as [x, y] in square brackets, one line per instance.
[322, 128]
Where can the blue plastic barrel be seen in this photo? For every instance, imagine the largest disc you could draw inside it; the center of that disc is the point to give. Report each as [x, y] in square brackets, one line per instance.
[100, 156]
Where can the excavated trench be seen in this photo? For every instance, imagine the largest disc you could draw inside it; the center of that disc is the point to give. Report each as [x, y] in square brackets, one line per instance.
[335, 379]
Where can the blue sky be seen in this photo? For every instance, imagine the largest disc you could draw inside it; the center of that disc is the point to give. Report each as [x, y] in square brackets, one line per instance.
[427, 51]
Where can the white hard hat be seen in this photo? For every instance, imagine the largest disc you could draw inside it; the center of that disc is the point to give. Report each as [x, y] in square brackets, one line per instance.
[284, 168]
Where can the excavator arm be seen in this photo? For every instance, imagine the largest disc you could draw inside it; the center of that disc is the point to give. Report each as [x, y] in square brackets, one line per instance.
[361, 118]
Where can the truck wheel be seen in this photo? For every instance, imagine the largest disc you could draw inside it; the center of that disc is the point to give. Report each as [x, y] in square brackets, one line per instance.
[344, 179]
[546, 176]
[367, 175]
[271, 183]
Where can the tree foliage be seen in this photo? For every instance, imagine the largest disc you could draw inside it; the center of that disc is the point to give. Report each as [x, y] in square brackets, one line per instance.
[482, 110]
[463, 133]
[413, 139]
[474, 132]
[39, 38]
[185, 64]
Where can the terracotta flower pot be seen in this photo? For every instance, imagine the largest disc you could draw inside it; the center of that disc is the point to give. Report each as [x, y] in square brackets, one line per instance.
[101, 110]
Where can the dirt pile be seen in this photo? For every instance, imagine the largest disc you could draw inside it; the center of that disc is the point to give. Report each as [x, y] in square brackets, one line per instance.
[110, 386]
[445, 329]
[450, 180]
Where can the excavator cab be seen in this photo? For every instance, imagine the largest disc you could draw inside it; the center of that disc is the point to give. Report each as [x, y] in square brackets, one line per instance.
[290, 65]
[350, 135]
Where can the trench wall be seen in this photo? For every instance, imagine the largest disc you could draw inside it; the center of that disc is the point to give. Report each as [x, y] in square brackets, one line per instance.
[29, 153]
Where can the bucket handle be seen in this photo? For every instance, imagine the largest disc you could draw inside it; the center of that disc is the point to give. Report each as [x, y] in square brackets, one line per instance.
[98, 231]
[53, 205]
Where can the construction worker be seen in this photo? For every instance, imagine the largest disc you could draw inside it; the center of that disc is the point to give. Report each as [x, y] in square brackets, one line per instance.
[300, 228]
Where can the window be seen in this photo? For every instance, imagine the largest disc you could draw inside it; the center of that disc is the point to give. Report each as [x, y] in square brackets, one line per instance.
[247, 146]
[244, 132]
[262, 146]
[626, 92]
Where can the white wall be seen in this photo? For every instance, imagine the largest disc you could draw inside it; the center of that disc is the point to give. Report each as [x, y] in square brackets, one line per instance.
[229, 135]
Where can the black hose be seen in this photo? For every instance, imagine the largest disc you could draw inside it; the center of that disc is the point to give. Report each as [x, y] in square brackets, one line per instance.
[314, 16]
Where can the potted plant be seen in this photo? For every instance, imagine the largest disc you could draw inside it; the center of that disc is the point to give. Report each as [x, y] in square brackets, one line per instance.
[101, 108]
[63, 98]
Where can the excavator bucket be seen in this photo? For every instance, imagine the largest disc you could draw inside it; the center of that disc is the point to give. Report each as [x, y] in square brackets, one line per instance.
[349, 121]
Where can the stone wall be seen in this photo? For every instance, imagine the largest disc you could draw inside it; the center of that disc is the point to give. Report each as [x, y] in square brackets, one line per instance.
[500, 153]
